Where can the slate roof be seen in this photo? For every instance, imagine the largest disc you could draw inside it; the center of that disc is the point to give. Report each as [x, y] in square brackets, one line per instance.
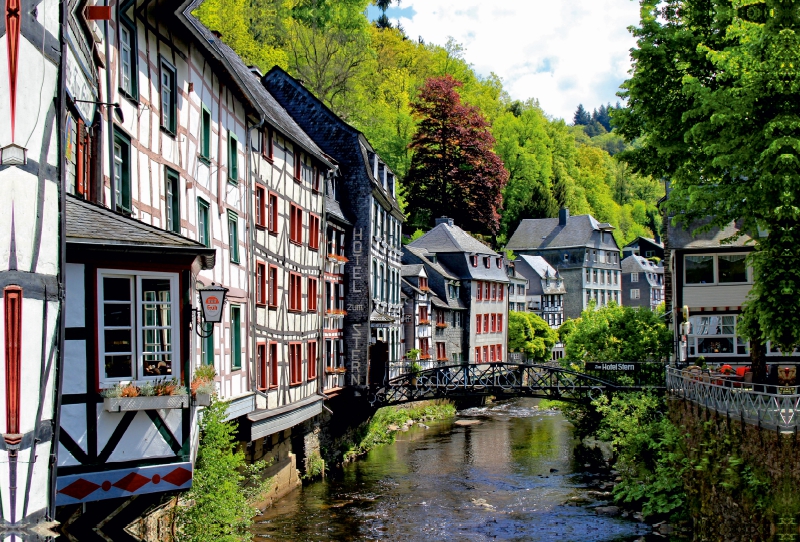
[540, 265]
[425, 257]
[250, 86]
[91, 224]
[543, 233]
[540, 268]
[680, 238]
[439, 303]
[332, 207]
[411, 270]
[447, 238]
[649, 240]
[634, 264]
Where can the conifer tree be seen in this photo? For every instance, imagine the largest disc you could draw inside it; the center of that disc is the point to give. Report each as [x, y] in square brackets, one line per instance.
[582, 117]
[454, 171]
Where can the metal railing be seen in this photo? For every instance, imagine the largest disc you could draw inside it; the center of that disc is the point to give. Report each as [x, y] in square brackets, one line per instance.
[508, 379]
[770, 407]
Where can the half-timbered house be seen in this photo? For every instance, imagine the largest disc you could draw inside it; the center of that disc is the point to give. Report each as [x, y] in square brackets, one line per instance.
[368, 198]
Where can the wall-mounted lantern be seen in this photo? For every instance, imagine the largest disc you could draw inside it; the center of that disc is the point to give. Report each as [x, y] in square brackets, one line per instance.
[212, 300]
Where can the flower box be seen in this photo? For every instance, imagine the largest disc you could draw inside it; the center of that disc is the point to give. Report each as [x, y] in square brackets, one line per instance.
[122, 404]
[424, 322]
[337, 313]
[337, 258]
[202, 399]
[425, 356]
[441, 325]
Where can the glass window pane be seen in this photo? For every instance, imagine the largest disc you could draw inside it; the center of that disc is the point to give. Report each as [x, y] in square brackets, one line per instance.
[116, 315]
[118, 367]
[155, 290]
[157, 364]
[732, 268]
[157, 340]
[118, 340]
[116, 289]
[699, 269]
[717, 345]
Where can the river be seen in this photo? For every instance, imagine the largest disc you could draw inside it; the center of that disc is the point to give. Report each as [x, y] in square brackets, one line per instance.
[510, 477]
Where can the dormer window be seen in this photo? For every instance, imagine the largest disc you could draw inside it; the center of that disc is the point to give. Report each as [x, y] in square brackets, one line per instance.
[474, 259]
[499, 262]
[423, 283]
[566, 257]
[486, 262]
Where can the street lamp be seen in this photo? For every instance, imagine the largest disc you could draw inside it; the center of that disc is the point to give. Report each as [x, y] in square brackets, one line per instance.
[212, 300]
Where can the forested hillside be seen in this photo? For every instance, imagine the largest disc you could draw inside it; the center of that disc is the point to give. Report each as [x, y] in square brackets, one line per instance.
[370, 76]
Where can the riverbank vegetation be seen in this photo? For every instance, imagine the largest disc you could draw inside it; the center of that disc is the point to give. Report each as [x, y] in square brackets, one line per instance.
[218, 507]
[649, 451]
[382, 429]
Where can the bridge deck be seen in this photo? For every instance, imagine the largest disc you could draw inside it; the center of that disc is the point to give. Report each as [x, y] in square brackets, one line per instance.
[511, 379]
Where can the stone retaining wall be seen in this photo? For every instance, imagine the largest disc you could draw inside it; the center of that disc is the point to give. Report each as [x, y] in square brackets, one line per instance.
[744, 482]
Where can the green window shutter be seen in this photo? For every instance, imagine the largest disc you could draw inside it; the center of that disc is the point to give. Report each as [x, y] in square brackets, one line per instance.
[236, 338]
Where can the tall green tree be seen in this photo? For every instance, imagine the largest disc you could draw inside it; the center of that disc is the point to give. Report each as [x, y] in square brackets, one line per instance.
[713, 101]
[529, 333]
[581, 117]
[616, 333]
[454, 171]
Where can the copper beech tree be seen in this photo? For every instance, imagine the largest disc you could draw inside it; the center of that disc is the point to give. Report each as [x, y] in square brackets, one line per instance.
[454, 171]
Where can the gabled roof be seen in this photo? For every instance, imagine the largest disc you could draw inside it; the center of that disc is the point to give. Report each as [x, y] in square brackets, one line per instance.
[89, 224]
[634, 263]
[248, 83]
[412, 270]
[542, 233]
[447, 238]
[686, 237]
[540, 266]
[647, 239]
[425, 257]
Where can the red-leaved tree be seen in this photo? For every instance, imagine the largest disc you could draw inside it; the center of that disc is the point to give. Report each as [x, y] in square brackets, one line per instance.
[454, 171]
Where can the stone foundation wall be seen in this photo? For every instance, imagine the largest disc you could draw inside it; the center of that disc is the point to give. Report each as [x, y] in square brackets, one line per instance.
[744, 483]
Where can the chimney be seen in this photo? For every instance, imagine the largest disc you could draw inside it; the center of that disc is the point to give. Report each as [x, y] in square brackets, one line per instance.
[256, 71]
[444, 220]
[563, 216]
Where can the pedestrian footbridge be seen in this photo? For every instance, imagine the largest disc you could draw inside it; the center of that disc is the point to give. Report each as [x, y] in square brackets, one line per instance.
[548, 381]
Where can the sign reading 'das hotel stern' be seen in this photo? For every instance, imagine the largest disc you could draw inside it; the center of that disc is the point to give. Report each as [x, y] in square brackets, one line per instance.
[627, 367]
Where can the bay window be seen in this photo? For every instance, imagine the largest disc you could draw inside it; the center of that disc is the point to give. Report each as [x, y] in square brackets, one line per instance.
[138, 323]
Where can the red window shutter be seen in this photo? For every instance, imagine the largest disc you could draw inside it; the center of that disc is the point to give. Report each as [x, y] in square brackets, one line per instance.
[499, 350]
[478, 323]
[263, 368]
[312, 294]
[501, 288]
[477, 354]
[273, 365]
[486, 354]
[273, 286]
[499, 322]
[486, 323]
[312, 360]
[486, 291]
[480, 291]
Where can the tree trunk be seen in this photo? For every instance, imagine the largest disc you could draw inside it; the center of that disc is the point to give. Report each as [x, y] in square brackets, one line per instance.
[758, 360]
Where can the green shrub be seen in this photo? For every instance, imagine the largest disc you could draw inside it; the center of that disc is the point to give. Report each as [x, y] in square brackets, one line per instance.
[218, 505]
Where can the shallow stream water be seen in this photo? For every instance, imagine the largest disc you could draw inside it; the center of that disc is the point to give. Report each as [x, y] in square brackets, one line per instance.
[510, 477]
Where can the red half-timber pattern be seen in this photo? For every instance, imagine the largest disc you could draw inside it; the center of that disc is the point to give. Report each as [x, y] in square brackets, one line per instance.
[12, 35]
[112, 484]
[12, 296]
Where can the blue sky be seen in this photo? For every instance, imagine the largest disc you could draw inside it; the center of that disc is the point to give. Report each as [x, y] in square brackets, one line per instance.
[561, 52]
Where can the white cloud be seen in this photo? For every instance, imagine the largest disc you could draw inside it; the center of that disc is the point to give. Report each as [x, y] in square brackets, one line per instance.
[561, 52]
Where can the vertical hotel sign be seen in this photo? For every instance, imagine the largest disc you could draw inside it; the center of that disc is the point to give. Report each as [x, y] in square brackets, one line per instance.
[356, 311]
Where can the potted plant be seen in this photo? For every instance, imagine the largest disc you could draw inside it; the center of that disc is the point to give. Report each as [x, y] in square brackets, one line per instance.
[412, 354]
[161, 394]
[203, 385]
[413, 370]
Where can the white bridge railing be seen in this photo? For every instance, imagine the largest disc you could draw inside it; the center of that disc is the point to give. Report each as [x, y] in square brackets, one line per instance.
[740, 401]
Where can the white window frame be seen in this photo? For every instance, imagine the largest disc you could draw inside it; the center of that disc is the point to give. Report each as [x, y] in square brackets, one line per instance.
[715, 265]
[137, 353]
[635, 293]
[693, 337]
[634, 277]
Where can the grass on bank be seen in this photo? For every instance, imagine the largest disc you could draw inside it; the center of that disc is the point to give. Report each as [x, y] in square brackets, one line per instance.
[376, 431]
